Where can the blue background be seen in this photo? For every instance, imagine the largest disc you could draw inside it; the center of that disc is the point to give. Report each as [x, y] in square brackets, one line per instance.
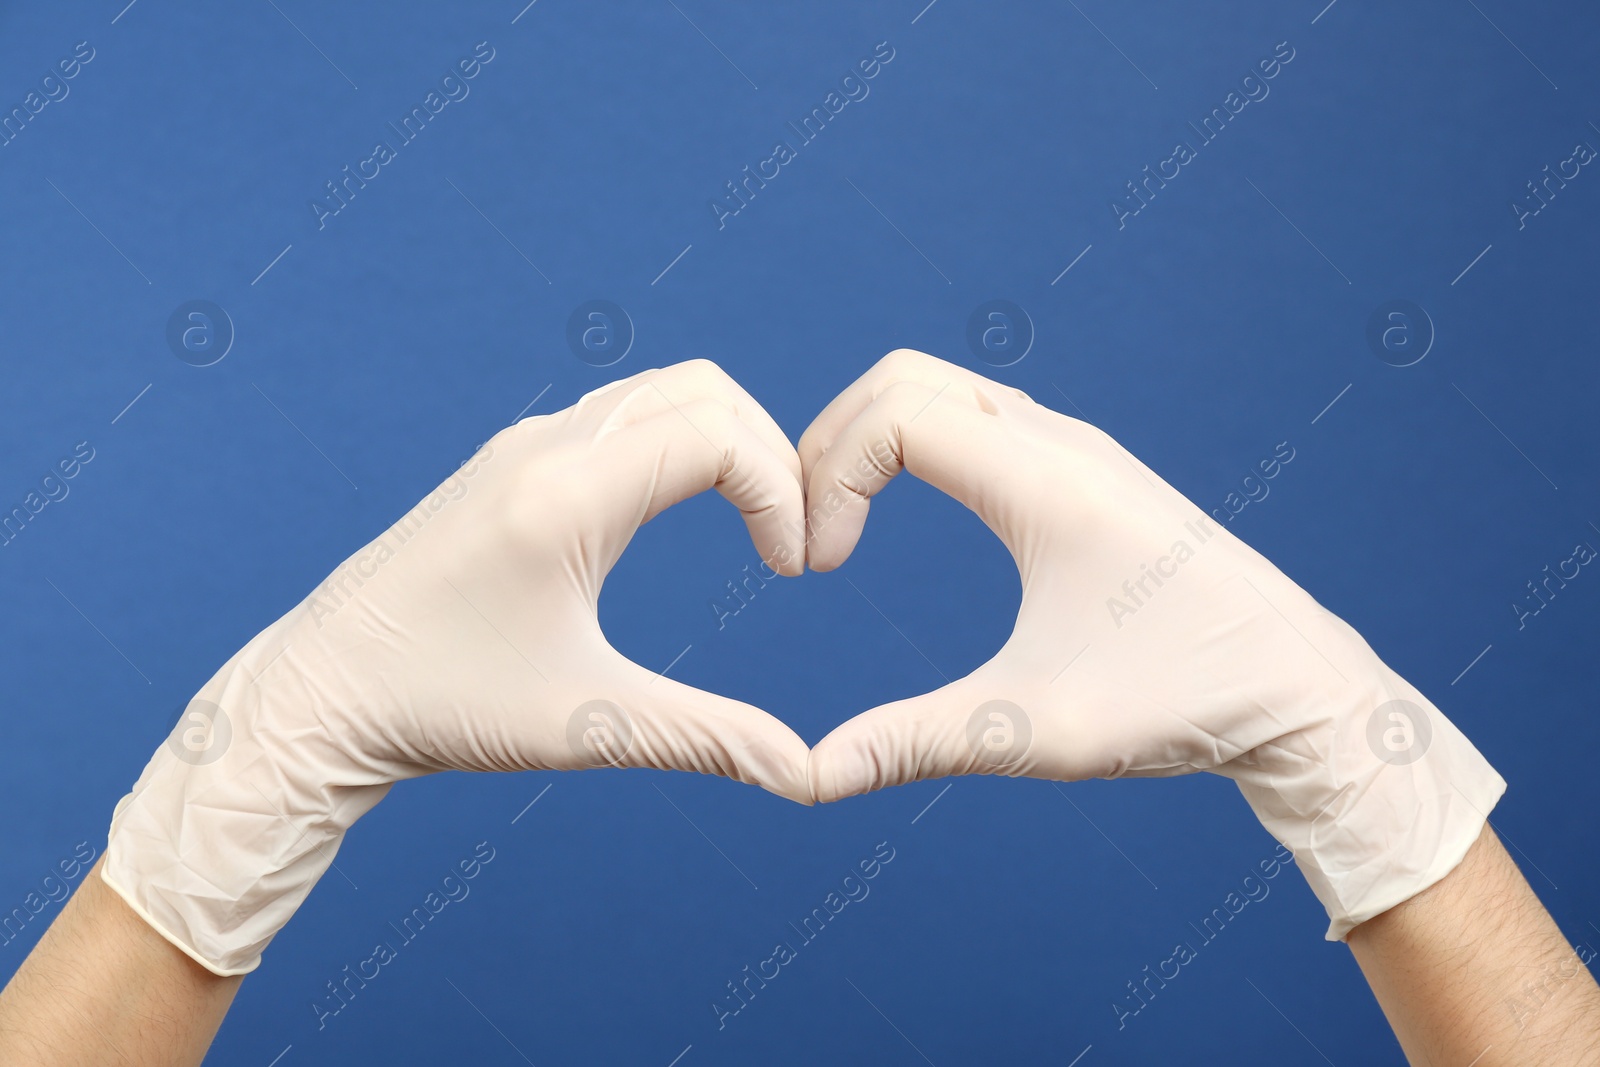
[1207, 330]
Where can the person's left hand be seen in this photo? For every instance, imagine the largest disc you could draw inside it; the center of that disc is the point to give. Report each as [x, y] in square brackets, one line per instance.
[1149, 642]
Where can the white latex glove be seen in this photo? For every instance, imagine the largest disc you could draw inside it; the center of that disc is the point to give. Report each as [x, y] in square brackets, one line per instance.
[1149, 642]
[463, 638]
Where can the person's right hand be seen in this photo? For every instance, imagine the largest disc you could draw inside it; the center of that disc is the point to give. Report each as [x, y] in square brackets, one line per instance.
[1149, 642]
[465, 637]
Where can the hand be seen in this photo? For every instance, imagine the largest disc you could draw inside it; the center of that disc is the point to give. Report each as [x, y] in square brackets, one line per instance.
[1149, 642]
[464, 638]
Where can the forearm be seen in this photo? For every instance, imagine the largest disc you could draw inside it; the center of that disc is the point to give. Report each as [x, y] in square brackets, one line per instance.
[1474, 971]
[102, 987]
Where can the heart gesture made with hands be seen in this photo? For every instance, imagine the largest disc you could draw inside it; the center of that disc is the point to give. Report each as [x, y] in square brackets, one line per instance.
[1150, 641]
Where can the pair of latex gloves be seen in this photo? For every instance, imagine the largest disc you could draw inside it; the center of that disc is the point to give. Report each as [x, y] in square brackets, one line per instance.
[1149, 642]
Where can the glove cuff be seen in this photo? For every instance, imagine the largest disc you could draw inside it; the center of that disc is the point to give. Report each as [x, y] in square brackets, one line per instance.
[234, 819]
[1371, 827]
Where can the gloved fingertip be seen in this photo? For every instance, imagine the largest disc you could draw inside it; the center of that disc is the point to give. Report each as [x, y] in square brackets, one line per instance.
[778, 767]
[800, 794]
[837, 772]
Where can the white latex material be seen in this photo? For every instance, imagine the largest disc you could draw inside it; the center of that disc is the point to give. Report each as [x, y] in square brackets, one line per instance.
[1222, 664]
[466, 638]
